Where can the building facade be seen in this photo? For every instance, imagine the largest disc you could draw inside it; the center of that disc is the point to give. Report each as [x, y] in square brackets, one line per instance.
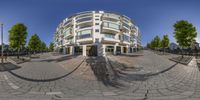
[97, 33]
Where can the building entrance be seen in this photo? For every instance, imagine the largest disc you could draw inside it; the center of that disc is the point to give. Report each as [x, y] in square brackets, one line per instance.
[91, 50]
[109, 50]
[125, 50]
[118, 50]
[78, 50]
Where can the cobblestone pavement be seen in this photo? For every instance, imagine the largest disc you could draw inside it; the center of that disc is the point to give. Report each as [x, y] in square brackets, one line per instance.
[126, 77]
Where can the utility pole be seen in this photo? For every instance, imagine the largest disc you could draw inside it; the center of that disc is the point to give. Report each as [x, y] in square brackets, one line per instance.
[1, 42]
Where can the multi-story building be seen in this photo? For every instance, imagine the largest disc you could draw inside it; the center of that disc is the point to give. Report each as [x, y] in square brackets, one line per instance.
[97, 33]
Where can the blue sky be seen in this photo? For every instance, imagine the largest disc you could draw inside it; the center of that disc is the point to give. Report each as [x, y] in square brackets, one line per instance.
[154, 17]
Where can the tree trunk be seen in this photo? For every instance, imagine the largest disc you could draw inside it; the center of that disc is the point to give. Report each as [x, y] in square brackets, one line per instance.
[182, 53]
[18, 53]
[163, 50]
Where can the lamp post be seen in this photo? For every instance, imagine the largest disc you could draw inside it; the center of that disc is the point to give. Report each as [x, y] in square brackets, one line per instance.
[1, 42]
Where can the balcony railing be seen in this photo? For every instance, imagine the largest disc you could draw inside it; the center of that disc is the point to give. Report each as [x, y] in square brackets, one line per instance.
[84, 19]
[109, 36]
[84, 36]
[112, 16]
[111, 25]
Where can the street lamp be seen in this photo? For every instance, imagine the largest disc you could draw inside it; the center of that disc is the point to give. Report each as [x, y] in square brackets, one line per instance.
[1, 42]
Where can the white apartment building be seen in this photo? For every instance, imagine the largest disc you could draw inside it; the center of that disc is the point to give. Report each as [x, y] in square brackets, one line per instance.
[97, 33]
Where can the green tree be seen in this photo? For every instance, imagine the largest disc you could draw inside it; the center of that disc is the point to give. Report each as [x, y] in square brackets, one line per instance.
[155, 43]
[43, 46]
[184, 33]
[51, 46]
[34, 43]
[17, 37]
[165, 42]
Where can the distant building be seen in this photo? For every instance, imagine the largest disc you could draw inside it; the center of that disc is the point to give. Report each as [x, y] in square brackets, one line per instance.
[173, 46]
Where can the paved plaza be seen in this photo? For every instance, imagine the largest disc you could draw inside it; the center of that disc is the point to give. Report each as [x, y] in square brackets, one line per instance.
[139, 76]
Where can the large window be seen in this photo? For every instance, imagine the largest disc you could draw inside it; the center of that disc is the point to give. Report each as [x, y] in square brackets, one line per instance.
[111, 25]
[84, 34]
[108, 35]
[126, 38]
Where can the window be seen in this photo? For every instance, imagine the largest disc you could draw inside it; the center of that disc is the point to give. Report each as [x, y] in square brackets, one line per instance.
[112, 36]
[115, 26]
[96, 15]
[84, 34]
[96, 30]
[111, 25]
[109, 48]
[96, 23]
[126, 38]
[96, 19]
[66, 32]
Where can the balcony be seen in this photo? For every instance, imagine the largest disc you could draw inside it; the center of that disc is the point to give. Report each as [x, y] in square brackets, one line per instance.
[67, 32]
[111, 17]
[67, 23]
[124, 38]
[85, 21]
[84, 28]
[108, 38]
[110, 27]
[61, 35]
[84, 16]
[69, 42]
[84, 38]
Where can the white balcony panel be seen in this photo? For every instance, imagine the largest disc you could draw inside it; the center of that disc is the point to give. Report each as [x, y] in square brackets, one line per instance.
[110, 30]
[85, 39]
[82, 29]
[77, 18]
[111, 40]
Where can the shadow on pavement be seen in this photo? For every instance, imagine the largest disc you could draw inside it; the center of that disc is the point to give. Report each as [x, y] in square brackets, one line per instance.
[101, 72]
[42, 80]
[8, 67]
[132, 55]
[60, 59]
[123, 72]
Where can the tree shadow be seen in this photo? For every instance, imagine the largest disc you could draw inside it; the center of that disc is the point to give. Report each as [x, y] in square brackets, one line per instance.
[60, 59]
[102, 72]
[125, 72]
[112, 73]
[40, 80]
[8, 67]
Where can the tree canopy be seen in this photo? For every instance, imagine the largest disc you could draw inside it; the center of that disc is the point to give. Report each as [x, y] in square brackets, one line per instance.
[184, 33]
[43, 46]
[17, 36]
[34, 43]
[165, 41]
[51, 46]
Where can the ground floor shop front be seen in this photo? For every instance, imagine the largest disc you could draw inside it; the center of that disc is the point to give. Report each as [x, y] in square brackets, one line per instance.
[97, 50]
